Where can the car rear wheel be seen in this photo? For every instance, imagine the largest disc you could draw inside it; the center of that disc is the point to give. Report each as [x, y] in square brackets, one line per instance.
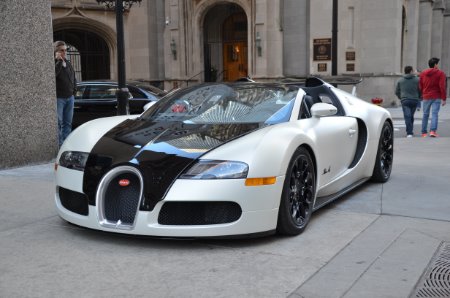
[385, 154]
[298, 194]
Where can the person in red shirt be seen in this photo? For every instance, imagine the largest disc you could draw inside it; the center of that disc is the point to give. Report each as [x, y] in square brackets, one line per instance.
[432, 86]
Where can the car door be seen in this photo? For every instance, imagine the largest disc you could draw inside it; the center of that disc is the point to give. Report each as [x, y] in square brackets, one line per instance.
[336, 139]
[98, 101]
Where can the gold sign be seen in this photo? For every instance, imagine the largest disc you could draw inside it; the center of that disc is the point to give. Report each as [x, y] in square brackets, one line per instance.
[322, 49]
[350, 56]
[322, 67]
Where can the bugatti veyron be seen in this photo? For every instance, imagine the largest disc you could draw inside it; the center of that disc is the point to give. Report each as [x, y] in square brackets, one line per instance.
[222, 160]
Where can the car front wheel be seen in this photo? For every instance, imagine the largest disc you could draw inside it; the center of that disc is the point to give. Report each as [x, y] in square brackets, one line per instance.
[298, 194]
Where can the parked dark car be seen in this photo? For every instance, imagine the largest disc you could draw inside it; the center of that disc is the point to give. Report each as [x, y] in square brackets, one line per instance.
[96, 99]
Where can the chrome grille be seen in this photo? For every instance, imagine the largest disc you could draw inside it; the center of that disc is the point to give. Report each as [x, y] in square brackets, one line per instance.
[118, 204]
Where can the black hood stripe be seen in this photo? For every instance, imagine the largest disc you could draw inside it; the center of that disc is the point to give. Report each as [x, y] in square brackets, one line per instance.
[161, 151]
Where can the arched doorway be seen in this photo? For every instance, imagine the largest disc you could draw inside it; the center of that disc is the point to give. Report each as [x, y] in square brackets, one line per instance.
[88, 52]
[225, 43]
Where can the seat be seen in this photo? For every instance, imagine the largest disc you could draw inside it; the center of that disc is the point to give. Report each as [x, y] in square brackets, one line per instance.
[309, 101]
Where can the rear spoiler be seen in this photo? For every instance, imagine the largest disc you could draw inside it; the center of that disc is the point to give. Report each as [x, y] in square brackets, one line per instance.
[318, 81]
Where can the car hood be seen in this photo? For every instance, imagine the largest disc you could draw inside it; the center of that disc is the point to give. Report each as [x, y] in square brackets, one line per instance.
[160, 150]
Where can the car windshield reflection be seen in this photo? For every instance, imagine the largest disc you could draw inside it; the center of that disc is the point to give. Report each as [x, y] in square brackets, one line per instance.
[220, 103]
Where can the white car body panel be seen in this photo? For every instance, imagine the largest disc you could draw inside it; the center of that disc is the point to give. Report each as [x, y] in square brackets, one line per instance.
[84, 137]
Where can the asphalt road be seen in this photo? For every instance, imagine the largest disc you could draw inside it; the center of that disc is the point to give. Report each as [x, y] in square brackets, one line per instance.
[376, 241]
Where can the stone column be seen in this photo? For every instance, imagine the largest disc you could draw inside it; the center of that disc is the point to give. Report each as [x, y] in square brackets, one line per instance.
[411, 33]
[424, 36]
[381, 36]
[437, 28]
[260, 70]
[28, 121]
[173, 49]
[445, 61]
[274, 43]
[296, 39]
[156, 18]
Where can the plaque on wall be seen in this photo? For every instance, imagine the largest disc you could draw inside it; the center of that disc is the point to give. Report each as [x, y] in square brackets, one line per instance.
[322, 49]
[322, 67]
[350, 67]
[350, 56]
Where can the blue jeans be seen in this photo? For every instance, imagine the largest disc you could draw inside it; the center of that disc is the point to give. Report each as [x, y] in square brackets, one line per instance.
[409, 107]
[65, 116]
[434, 105]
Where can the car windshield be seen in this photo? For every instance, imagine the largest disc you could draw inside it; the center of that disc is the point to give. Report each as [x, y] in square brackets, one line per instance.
[221, 103]
[147, 87]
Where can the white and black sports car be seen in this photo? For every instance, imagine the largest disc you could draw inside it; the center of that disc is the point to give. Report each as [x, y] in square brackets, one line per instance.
[220, 160]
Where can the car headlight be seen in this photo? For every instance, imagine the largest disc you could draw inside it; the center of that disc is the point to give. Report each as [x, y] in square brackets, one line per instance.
[73, 160]
[216, 169]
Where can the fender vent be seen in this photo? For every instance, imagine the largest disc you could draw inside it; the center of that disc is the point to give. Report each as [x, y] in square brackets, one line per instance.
[435, 282]
[361, 145]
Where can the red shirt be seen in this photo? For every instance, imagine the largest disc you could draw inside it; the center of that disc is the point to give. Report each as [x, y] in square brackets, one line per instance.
[432, 84]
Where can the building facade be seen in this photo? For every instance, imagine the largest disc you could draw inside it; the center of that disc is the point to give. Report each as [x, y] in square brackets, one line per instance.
[174, 43]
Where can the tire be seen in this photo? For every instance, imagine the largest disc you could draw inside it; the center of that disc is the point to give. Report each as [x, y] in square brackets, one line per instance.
[297, 198]
[385, 155]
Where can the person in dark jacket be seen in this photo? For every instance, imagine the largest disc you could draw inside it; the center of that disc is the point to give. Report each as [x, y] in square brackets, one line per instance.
[432, 85]
[407, 90]
[66, 84]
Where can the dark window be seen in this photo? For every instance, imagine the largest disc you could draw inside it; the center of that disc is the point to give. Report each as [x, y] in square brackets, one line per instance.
[136, 93]
[80, 92]
[89, 52]
[102, 92]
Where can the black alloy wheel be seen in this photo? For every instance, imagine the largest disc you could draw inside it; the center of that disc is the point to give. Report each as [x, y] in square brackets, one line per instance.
[385, 154]
[298, 194]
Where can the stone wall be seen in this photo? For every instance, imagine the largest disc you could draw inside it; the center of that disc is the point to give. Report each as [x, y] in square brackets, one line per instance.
[381, 86]
[28, 121]
[376, 86]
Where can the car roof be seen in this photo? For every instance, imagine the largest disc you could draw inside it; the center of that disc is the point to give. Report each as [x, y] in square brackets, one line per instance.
[139, 84]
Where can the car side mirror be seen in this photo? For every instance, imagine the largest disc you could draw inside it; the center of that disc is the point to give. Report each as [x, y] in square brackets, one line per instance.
[322, 109]
[148, 105]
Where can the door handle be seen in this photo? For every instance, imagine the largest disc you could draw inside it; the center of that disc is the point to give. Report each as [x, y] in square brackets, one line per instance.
[351, 132]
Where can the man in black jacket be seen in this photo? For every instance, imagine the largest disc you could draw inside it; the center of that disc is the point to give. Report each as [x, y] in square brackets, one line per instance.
[407, 90]
[66, 84]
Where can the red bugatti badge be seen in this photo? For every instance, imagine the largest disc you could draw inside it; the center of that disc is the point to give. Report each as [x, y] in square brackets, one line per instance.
[124, 182]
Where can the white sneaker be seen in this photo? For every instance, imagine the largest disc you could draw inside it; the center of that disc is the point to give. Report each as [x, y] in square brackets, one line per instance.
[409, 136]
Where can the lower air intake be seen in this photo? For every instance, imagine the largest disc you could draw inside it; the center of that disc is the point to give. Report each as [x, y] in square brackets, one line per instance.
[199, 213]
[73, 201]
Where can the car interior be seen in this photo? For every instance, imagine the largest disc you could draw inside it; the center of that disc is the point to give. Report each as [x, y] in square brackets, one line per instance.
[319, 94]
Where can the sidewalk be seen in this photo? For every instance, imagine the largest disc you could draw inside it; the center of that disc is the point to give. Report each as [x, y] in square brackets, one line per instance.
[376, 241]
[400, 127]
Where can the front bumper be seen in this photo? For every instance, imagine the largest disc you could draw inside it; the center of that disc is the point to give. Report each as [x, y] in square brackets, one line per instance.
[258, 207]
